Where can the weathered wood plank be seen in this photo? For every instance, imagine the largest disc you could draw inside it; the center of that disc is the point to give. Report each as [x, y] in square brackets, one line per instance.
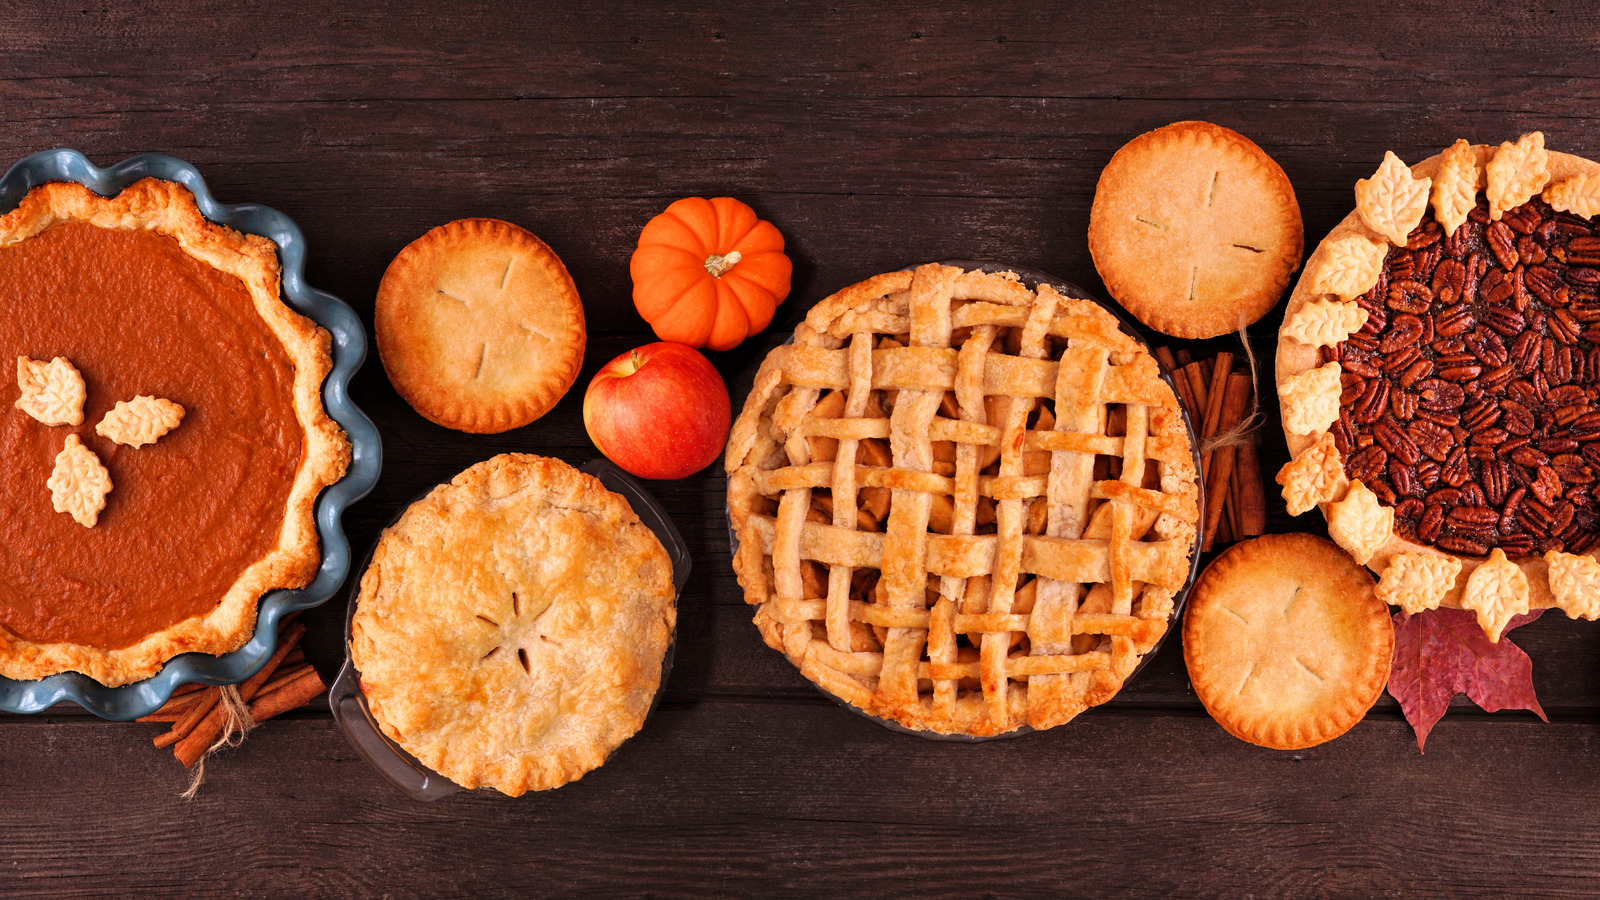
[748, 798]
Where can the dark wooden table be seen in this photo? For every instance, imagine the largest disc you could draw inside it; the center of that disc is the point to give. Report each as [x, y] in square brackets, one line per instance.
[873, 137]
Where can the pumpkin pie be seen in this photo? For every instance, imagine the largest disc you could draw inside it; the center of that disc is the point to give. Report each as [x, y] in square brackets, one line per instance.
[165, 439]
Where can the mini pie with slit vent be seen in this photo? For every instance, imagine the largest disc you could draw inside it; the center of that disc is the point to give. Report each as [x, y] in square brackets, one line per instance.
[479, 326]
[511, 627]
[1286, 641]
[1016, 518]
[1195, 230]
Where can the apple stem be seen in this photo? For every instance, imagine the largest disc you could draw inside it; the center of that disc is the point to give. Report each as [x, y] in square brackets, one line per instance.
[718, 264]
[633, 363]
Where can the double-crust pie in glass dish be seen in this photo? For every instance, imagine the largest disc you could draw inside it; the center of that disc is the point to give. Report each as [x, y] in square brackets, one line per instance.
[1439, 371]
[512, 628]
[165, 439]
[963, 505]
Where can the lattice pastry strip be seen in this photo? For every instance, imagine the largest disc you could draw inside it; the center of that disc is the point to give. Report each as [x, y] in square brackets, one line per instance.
[962, 504]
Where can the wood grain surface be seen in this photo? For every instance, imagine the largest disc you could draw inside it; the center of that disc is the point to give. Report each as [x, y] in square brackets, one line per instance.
[874, 135]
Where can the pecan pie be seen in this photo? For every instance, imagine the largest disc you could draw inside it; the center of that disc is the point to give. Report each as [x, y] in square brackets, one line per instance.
[1439, 367]
[962, 505]
[164, 441]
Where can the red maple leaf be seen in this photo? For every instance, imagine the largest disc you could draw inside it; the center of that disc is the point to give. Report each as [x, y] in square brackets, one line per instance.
[1439, 653]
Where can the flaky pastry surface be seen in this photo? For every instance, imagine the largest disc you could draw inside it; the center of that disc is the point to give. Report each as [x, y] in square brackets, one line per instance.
[511, 627]
[1018, 517]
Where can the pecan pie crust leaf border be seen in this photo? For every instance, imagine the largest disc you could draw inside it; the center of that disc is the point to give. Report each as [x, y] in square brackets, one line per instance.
[168, 208]
[1294, 357]
[1392, 201]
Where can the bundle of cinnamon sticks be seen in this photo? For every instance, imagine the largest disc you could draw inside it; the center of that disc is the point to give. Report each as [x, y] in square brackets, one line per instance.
[1218, 394]
[199, 714]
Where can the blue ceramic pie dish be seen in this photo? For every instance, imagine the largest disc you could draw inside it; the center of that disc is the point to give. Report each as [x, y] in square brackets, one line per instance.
[349, 350]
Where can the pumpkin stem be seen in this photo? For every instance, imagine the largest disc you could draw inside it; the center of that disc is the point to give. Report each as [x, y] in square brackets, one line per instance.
[718, 264]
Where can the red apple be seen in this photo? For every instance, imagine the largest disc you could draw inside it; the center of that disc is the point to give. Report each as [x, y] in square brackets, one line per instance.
[660, 411]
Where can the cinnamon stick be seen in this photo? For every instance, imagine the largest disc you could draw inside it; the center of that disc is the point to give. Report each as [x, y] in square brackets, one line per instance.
[1199, 391]
[1183, 357]
[285, 674]
[192, 746]
[1218, 387]
[186, 725]
[292, 695]
[173, 709]
[1252, 493]
[1236, 394]
[1164, 356]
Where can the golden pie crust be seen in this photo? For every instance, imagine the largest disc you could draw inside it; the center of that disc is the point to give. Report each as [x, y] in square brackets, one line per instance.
[1195, 229]
[511, 627]
[479, 326]
[1286, 644]
[1019, 515]
[1458, 175]
[169, 209]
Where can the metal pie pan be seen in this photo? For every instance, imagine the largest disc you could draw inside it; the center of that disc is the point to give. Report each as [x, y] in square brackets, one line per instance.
[1032, 278]
[349, 704]
[140, 698]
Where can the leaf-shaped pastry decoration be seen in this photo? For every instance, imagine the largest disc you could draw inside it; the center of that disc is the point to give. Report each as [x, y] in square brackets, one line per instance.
[79, 484]
[1496, 590]
[1391, 202]
[1418, 581]
[1455, 186]
[1311, 399]
[1349, 266]
[1323, 323]
[1359, 523]
[1313, 476]
[52, 392]
[1517, 172]
[1442, 652]
[142, 420]
[1575, 583]
[1579, 195]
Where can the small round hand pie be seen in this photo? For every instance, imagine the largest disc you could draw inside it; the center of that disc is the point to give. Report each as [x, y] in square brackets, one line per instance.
[1286, 643]
[1194, 229]
[479, 326]
[511, 627]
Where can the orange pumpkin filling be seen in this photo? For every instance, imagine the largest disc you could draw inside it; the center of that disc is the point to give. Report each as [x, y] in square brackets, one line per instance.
[138, 316]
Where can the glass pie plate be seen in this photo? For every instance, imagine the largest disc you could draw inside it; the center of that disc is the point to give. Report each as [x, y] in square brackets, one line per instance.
[1031, 278]
[349, 704]
[366, 450]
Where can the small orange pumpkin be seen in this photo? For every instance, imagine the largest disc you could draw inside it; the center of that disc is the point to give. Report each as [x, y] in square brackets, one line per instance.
[709, 273]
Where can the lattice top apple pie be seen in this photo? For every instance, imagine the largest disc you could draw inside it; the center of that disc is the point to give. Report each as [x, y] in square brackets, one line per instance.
[1017, 517]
